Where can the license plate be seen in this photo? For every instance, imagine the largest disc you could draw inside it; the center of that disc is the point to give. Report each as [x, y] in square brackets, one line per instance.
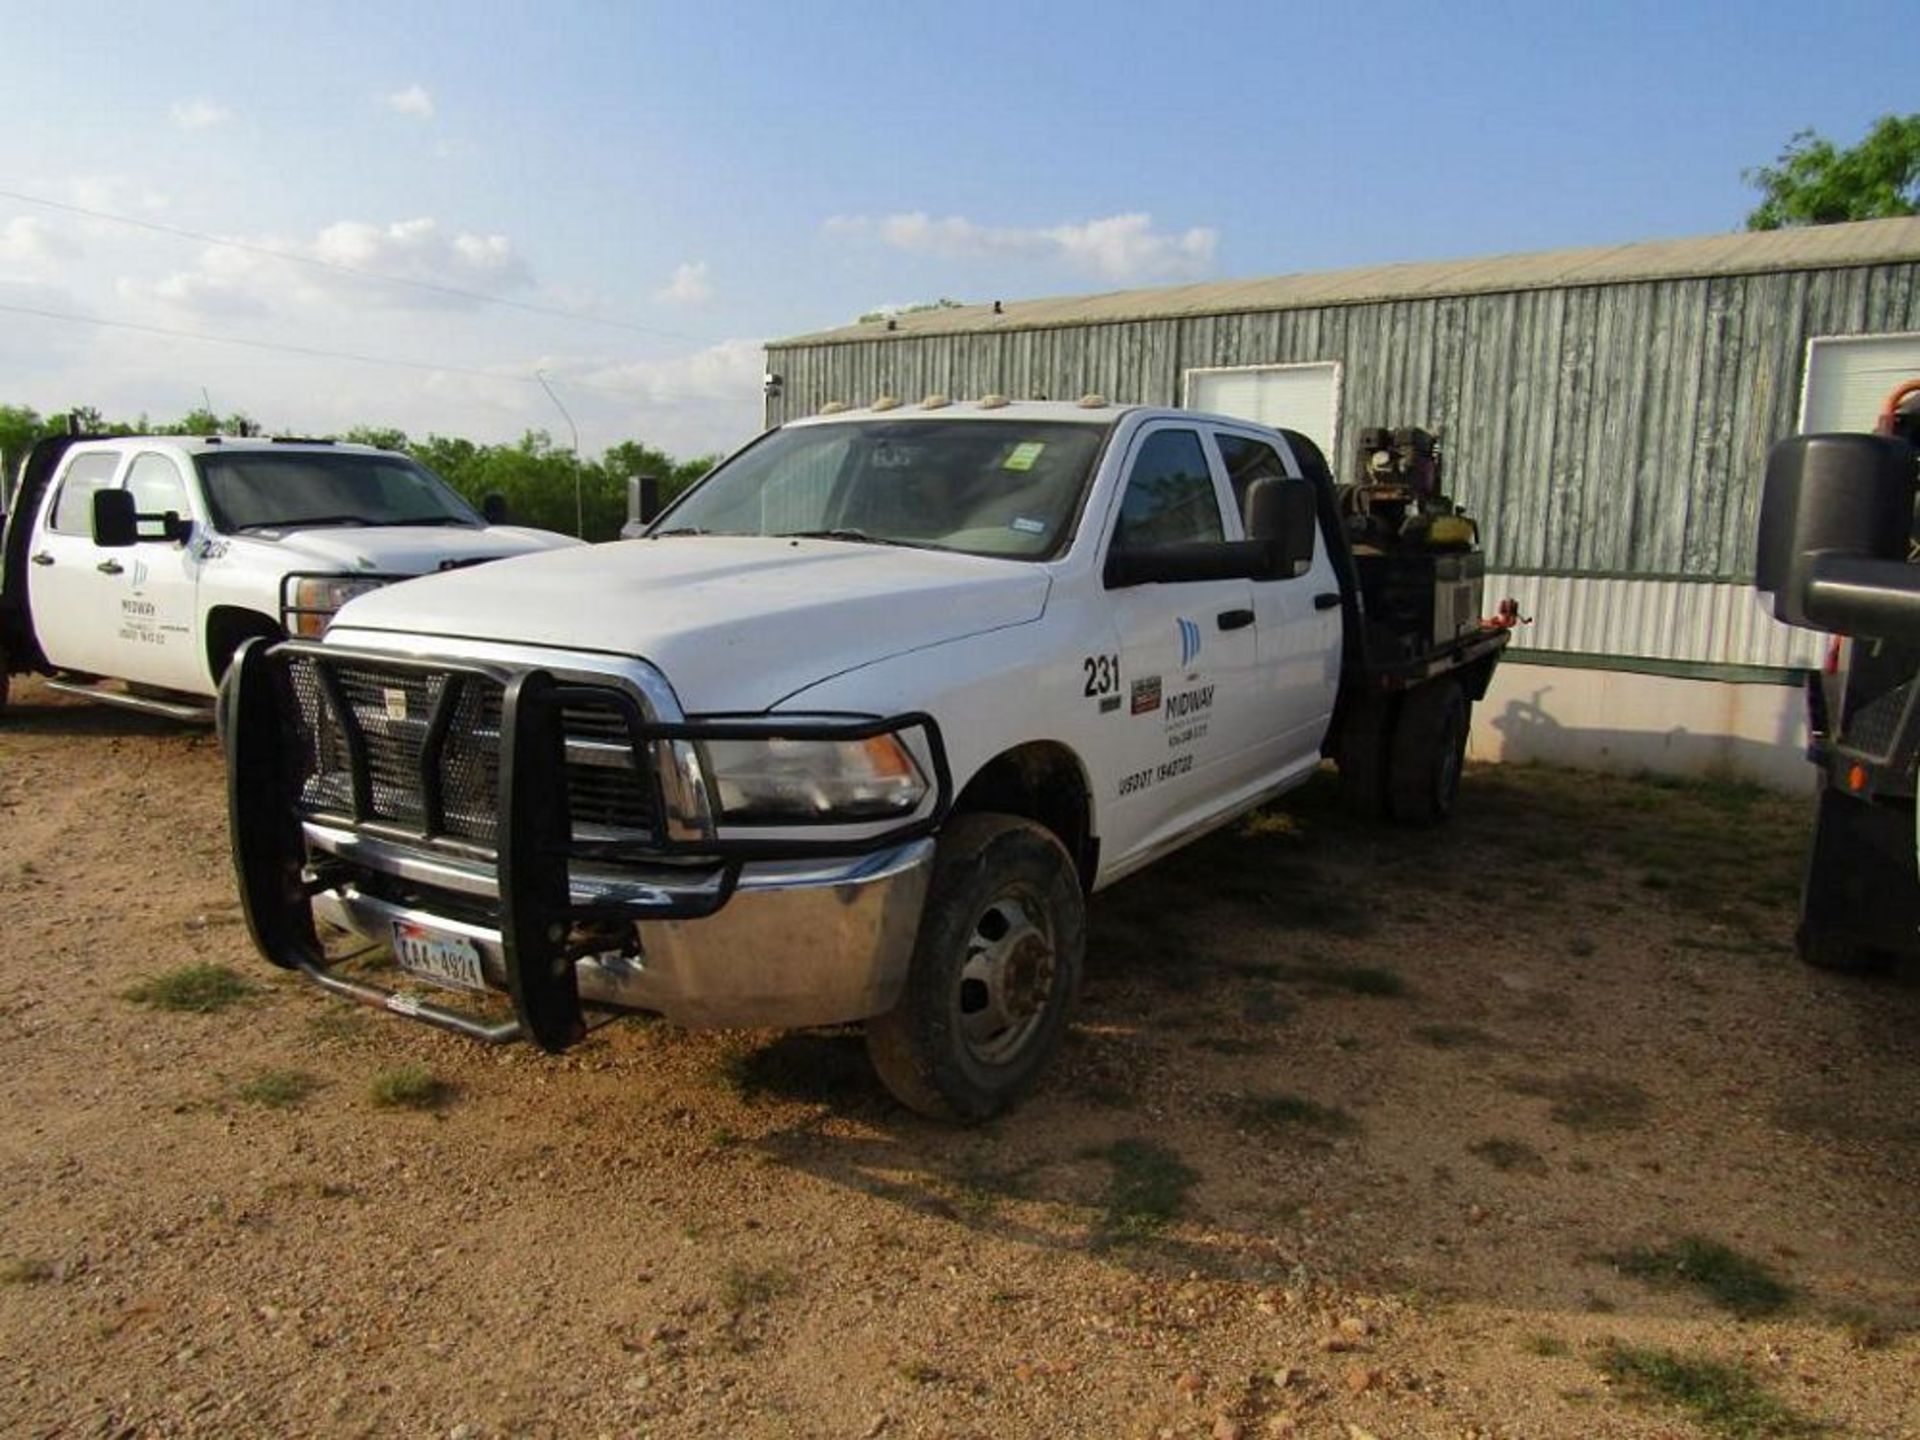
[435, 955]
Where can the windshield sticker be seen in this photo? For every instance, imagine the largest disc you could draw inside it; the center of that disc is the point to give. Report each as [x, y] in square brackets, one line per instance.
[1027, 525]
[1024, 455]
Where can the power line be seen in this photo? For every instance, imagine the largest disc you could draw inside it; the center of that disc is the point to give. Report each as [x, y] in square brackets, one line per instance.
[313, 352]
[295, 258]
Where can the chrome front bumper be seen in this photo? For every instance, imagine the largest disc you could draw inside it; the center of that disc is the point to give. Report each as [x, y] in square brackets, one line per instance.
[798, 943]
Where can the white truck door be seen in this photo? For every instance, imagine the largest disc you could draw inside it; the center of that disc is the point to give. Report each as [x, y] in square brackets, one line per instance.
[1186, 651]
[73, 601]
[1297, 622]
[158, 633]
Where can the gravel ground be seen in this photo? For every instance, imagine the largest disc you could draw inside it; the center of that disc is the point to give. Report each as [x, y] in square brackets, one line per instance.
[1501, 1130]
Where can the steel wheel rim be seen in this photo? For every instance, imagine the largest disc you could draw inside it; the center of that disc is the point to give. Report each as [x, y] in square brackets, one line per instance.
[1007, 978]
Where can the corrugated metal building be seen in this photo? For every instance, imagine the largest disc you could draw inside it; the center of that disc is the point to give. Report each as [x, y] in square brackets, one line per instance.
[1605, 413]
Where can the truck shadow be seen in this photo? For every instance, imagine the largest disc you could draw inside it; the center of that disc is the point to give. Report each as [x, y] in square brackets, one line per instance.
[34, 710]
[1480, 1061]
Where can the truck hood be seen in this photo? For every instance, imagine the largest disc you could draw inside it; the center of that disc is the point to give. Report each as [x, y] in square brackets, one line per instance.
[736, 623]
[403, 549]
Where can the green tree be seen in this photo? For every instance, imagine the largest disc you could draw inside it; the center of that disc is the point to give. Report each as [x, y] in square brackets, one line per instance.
[1816, 183]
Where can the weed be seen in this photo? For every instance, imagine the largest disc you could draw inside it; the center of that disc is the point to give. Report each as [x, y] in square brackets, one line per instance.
[1546, 1346]
[1146, 1191]
[1864, 1330]
[199, 988]
[920, 1372]
[344, 1023]
[747, 1287]
[1229, 1045]
[1289, 1114]
[411, 1087]
[1588, 1103]
[1736, 1283]
[1724, 1398]
[24, 1272]
[1455, 1037]
[1509, 1155]
[279, 1089]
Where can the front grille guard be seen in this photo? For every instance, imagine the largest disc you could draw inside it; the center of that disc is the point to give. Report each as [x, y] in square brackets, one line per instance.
[535, 844]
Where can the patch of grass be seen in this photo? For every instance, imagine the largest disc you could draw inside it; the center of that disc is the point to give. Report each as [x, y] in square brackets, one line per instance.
[199, 988]
[279, 1089]
[1229, 1045]
[1864, 1330]
[1456, 1037]
[1546, 1346]
[1145, 1192]
[1588, 1103]
[1736, 1283]
[1263, 1005]
[1509, 1155]
[748, 1287]
[344, 1023]
[411, 1087]
[17, 1271]
[1725, 1399]
[920, 1372]
[1281, 1113]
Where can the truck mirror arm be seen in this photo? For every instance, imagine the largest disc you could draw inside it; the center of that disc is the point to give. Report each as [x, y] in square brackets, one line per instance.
[1857, 595]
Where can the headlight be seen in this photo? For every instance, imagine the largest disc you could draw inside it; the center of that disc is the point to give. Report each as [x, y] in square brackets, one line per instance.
[775, 781]
[316, 597]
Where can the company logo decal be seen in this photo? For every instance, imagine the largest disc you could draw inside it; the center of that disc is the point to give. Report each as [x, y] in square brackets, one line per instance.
[1189, 641]
[1146, 695]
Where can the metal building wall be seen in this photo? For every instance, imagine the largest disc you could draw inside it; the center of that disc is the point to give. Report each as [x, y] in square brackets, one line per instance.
[1614, 429]
[1597, 432]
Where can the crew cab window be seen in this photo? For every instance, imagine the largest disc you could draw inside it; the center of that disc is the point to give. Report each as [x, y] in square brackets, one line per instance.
[156, 486]
[1248, 460]
[73, 508]
[1170, 498]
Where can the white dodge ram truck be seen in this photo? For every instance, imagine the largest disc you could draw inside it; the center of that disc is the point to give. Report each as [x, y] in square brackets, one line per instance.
[849, 734]
[131, 568]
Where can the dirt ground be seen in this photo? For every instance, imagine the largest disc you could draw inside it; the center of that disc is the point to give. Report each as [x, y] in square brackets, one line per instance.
[1530, 1126]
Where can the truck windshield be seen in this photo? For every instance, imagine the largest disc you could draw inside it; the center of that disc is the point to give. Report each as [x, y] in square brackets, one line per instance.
[285, 489]
[984, 487]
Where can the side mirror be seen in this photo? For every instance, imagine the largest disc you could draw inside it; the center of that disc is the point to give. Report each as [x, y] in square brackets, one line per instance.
[493, 508]
[175, 528]
[643, 499]
[1174, 564]
[1281, 514]
[1836, 517]
[116, 525]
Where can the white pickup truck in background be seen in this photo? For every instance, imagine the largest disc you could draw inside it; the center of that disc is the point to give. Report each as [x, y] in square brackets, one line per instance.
[854, 729]
[131, 568]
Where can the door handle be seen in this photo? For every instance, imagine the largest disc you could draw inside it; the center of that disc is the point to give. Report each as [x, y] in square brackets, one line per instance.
[1234, 619]
[1326, 600]
[43, 558]
[111, 567]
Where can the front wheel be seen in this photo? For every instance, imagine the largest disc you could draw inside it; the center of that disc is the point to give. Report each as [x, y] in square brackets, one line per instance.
[995, 969]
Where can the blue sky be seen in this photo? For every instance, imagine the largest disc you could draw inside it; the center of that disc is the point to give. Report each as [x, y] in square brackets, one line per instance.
[686, 181]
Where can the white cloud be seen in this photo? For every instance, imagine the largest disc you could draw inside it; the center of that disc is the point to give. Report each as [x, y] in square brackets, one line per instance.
[728, 371]
[228, 281]
[26, 240]
[199, 114]
[414, 100]
[1117, 247]
[689, 285]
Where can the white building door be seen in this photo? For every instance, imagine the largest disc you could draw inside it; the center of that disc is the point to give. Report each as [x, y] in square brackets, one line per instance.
[1287, 397]
[1849, 377]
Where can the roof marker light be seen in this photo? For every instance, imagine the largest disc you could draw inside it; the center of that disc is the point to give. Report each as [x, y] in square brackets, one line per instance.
[887, 402]
[993, 402]
[833, 407]
[935, 401]
[1093, 400]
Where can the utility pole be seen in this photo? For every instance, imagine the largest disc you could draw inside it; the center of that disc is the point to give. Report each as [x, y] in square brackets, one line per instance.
[579, 505]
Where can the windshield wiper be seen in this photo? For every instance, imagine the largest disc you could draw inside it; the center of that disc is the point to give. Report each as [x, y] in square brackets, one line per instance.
[677, 530]
[300, 521]
[859, 537]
